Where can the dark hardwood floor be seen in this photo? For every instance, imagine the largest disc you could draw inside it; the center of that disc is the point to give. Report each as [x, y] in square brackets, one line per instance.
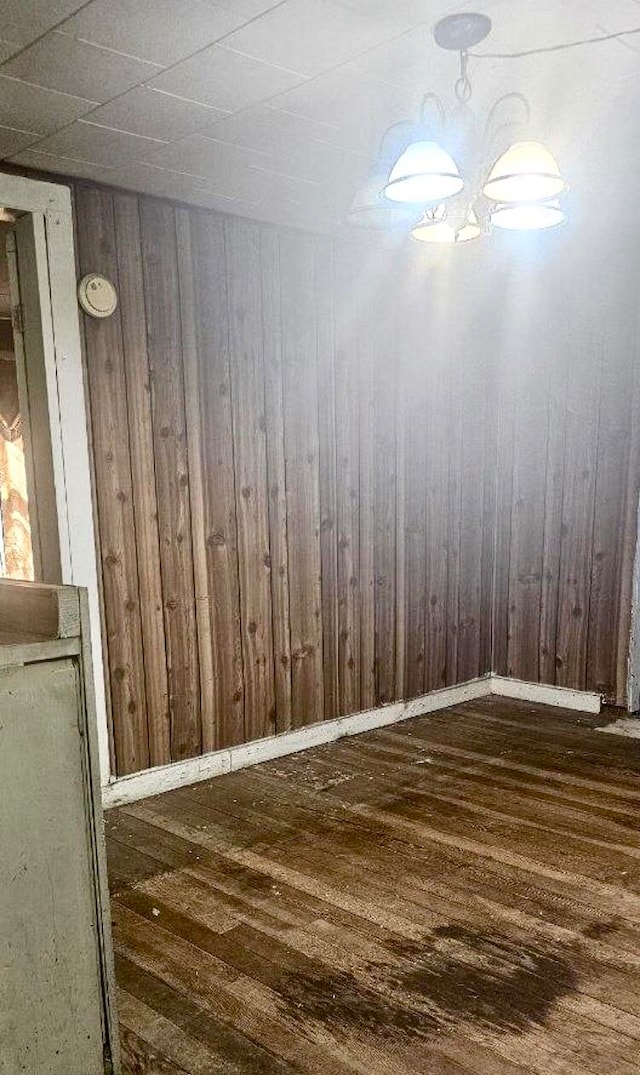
[457, 894]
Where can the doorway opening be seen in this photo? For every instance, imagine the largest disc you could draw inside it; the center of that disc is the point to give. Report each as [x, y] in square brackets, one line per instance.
[46, 509]
[29, 534]
[16, 547]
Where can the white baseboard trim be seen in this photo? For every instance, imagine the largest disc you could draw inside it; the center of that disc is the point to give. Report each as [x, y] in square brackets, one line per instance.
[126, 789]
[546, 694]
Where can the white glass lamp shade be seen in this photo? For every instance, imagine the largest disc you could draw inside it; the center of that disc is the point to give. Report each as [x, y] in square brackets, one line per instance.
[529, 216]
[370, 209]
[425, 172]
[527, 172]
[435, 228]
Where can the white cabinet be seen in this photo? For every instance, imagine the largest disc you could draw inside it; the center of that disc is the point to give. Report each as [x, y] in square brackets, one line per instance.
[56, 1010]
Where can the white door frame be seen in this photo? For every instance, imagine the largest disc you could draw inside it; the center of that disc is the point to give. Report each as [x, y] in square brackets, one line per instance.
[50, 204]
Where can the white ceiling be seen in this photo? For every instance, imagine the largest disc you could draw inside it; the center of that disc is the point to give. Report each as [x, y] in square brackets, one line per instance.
[274, 108]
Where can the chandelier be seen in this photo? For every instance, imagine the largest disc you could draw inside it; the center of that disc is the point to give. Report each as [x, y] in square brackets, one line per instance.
[449, 181]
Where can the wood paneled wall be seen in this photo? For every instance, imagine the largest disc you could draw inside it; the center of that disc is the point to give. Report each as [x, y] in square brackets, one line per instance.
[568, 464]
[328, 477]
[293, 488]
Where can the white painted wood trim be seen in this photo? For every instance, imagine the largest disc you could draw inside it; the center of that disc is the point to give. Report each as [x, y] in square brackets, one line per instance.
[128, 789]
[50, 204]
[546, 694]
[33, 195]
[180, 774]
[77, 534]
[448, 696]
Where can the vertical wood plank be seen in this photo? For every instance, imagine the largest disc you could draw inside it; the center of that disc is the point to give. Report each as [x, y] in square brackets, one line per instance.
[384, 493]
[608, 624]
[579, 487]
[136, 368]
[626, 652]
[172, 475]
[348, 493]
[436, 510]
[456, 377]
[299, 349]
[414, 363]
[555, 436]
[369, 343]
[328, 475]
[489, 482]
[219, 502]
[505, 405]
[470, 405]
[276, 474]
[192, 394]
[402, 443]
[110, 438]
[529, 350]
[252, 514]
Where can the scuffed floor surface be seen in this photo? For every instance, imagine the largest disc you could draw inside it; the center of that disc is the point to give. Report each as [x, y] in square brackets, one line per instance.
[457, 894]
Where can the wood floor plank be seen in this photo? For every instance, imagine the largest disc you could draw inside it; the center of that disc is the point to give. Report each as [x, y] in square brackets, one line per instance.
[220, 1040]
[164, 1037]
[139, 1058]
[457, 895]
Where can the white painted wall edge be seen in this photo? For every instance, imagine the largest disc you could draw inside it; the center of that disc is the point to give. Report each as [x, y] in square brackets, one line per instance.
[179, 774]
[126, 789]
[545, 694]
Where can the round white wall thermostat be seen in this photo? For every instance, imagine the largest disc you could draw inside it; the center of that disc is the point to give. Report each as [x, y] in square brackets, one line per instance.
[97, 295]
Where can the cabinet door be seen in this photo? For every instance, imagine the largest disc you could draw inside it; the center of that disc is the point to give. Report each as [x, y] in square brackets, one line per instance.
[51, 999]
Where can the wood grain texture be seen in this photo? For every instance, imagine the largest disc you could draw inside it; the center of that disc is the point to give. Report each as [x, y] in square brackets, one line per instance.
[567, 474]
[328, 471]
[250, 461]
[455, 445]
[197, 477]
[413, 380]
[527, 508]
[369, 339]
[219, 507]
[348, 490]
[629, 535]
[436, 509]
[377, 493]
[578, 505]
[138, 386]
[107, 388]
[383, 419]
[299, 356]
[162, 305]
[469, 396]
[276, 473]
[616, 478]
[477, 914]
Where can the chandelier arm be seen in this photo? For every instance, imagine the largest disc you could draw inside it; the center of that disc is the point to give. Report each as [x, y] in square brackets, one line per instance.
[498, 130]
[514, 96]
[393, 127]
[433, 100]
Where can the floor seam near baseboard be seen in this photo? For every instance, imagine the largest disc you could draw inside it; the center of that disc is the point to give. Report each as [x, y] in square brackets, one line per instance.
[217, 763]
